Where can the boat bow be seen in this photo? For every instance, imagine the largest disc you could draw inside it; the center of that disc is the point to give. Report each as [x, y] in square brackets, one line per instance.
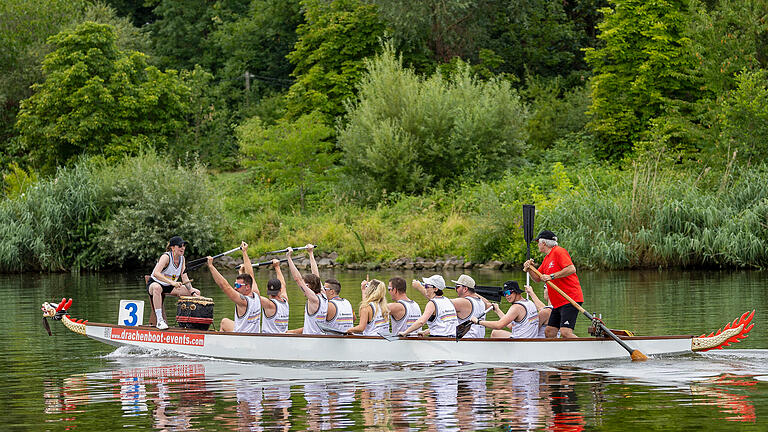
[732, 333]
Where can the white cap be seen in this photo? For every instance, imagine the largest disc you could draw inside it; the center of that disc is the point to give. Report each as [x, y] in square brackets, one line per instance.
[436, 281]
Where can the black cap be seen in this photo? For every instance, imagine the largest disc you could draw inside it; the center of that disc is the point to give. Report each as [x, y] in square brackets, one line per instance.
[177, 241]
[512, 286]
[546, 235]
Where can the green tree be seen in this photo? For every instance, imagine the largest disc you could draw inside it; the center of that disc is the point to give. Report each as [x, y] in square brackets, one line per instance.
[329, 54]
[744, 116]
[293, 153]
[97, 99]
[638, 70]
[405, 134]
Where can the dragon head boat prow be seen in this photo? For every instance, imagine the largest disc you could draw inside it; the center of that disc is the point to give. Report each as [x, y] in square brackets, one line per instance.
[59, 313]
[733, 332]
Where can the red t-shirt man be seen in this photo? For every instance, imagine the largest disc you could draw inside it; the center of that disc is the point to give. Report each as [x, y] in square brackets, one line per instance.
[557, 264]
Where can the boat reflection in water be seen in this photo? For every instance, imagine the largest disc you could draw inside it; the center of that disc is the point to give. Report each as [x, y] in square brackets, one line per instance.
[208, 394]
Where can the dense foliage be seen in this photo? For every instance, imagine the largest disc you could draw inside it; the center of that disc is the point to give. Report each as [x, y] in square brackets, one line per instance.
[384, 129]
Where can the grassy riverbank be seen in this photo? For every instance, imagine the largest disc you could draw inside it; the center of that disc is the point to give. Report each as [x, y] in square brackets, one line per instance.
[96, 216]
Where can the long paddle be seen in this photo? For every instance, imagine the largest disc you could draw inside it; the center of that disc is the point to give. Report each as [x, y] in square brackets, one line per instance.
[529, 213]
[491, 293]
[635, 354]
[196, 264]
[286, 250]
[464, 327]
[263, 263]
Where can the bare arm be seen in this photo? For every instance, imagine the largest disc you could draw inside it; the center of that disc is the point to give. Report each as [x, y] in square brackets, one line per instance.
[365, 316]
[526, 268]
[281, 278]
[312, 262]
[312, 299]
[248, 268]
[534, 298]
[512, 314]
[397, 310]
[419, 287]
[235, 296]
[429, 310]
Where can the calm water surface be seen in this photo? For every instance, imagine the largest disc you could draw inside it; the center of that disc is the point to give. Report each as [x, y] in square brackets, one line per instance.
[68, 382]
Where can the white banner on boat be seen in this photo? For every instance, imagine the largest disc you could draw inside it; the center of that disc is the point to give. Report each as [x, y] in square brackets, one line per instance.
[131, 313]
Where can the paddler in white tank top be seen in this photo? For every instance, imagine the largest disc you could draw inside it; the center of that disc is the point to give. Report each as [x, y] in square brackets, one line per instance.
[439, 313]
[469, 305]
[275, 310]
[245, 295]
[340, 314]
[544, 310]
[402, 311]
[316, 307]
[522, 315]
[374, 313]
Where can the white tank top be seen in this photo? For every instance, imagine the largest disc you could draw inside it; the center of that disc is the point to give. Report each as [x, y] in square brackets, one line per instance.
[478, 307]
[445, 321]
[310, 321]
[528, 328]
[412, 313]
[344, 315]
[377, 323]
[277, 323]
[250, 322]
[171, 271]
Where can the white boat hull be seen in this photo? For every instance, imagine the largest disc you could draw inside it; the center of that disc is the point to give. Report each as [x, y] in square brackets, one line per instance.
[376, 349]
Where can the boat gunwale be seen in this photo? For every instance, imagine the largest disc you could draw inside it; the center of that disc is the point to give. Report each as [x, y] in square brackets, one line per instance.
[353, 337]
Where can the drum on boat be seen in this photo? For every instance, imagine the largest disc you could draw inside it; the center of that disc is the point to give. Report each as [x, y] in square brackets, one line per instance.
[194, 312]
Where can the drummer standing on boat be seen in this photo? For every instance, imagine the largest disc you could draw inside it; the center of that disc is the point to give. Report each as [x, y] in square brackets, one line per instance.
[557, 264]
[169, 277]
[245, 294]
[402, 311]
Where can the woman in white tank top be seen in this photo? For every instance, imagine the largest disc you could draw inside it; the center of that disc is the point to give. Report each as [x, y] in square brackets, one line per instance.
[522, 316]
[439, 313]
[374, 312]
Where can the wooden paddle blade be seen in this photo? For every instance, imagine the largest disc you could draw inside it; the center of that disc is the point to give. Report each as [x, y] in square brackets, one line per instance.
[638, 356]
[529, 213]
[462, 329]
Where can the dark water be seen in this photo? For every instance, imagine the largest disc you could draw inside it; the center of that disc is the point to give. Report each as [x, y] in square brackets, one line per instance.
[68, 382]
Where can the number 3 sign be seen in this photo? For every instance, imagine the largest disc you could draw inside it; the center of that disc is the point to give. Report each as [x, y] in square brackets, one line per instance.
[131, 313]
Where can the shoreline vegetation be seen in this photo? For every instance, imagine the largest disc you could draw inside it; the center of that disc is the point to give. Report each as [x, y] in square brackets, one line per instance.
[383, 134]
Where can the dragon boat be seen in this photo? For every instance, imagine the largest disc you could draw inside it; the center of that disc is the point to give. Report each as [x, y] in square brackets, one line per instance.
[351, 348]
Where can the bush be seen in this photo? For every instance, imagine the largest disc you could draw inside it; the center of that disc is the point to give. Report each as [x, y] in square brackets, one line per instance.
[407, 134]
[148, 200]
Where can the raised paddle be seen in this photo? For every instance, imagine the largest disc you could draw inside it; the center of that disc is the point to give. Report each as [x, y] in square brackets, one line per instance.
[636, 355]
[196, 264]
[263, 263]
[464, 327]
[491, 293]
[529, 213]
[285, 250]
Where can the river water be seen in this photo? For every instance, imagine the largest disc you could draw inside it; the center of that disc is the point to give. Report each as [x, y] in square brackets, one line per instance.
[68, 382]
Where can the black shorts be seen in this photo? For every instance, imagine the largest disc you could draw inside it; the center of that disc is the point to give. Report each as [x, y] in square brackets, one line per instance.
[166, 288]
[564, 316]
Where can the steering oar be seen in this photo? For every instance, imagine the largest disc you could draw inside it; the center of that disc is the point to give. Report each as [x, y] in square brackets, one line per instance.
[636, 355]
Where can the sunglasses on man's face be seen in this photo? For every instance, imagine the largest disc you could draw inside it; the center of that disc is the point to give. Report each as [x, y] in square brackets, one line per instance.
[506, 293]
[238, 285]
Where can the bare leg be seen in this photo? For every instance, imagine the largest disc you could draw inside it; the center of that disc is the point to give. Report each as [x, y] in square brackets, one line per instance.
[566, 332]
[500, 334]
[551, 332]
[227, 325]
